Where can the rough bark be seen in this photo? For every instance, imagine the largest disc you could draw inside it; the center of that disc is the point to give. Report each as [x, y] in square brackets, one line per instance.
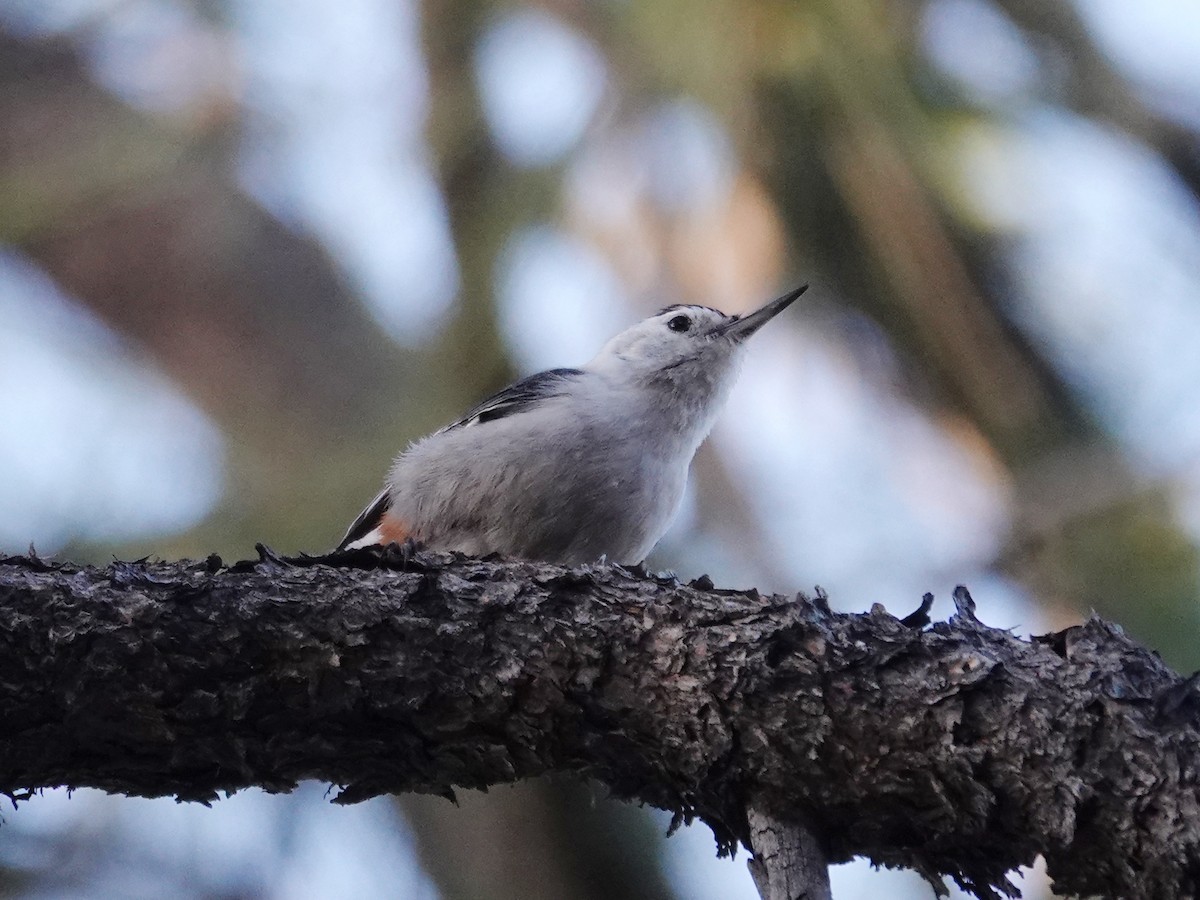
[955, 749]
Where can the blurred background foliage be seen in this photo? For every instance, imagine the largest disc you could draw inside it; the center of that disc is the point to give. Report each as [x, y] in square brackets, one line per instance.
[249, 249]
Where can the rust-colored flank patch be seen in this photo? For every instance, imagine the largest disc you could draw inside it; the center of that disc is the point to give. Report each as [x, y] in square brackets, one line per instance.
[393, 531]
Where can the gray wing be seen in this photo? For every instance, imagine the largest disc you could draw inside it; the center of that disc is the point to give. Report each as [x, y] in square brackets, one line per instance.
[524, 395]
[520, 397]
[368, 519]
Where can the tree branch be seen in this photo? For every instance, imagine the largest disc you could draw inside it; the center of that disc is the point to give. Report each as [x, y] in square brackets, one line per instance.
[788, 862]
[958, 750]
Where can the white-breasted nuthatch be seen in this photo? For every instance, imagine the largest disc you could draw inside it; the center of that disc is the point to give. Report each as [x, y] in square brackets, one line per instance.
[571, 465]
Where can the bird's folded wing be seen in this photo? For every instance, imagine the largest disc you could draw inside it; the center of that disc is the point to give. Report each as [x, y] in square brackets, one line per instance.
[520, 397]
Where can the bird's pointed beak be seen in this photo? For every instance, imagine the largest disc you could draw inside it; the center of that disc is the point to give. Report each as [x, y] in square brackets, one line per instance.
[741, 328]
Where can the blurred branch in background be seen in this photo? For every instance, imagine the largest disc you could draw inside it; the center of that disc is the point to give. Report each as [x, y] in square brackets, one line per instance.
[883, 222]
[294, 236]
[1094, 87]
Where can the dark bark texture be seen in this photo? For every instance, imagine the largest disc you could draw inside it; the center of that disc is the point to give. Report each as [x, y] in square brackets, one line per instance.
[955, 749]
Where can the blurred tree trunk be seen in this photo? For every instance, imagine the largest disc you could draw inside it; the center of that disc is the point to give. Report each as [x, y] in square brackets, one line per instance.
[544, 839]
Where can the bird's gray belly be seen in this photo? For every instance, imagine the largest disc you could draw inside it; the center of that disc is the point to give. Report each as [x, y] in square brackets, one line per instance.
[584, 490]
[620, 518]
[565, 517]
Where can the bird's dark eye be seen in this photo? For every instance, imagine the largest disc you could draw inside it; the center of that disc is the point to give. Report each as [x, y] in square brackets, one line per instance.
[679, 323]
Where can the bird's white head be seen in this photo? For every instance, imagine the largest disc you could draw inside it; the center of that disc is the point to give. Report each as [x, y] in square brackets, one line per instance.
[682, 362]
[684, 343]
